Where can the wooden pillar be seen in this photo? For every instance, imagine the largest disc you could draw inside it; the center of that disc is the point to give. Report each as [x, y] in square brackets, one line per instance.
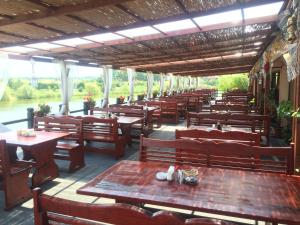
[266, 95]
[296, 122]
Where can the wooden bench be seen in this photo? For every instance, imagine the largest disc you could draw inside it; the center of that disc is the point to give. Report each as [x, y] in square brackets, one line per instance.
[169, 112]
[156, 116]
[237, 108]
[217, 135]
[227, 155]
[257, 123]
[53, 210]
[103, 130]
[14, 178]
[69, 148]
[143, 127]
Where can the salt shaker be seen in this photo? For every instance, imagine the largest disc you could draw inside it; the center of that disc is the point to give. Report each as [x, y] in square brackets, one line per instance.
[170, 173]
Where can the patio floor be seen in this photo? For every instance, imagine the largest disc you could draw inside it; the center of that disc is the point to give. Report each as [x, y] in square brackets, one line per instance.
[66, 185]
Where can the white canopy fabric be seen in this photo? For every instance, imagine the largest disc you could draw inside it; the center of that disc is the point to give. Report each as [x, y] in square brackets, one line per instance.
[149, 84]
[171, 77]
[65, 84]
[3, 73]
[107, 81]
[161, 84]
[131, 76]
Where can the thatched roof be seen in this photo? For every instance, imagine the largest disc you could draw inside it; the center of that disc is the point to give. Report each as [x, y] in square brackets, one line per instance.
[209, 50]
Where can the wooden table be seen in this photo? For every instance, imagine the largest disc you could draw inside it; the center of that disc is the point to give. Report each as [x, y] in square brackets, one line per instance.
[126, 123]
[40, 148]
[259, 196]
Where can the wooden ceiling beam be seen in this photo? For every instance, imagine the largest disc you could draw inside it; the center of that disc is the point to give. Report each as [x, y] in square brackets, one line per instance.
[224, 71]
[64, 10]
[169, 19]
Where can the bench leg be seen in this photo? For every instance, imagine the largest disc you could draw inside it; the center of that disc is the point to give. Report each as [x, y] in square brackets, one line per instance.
[120, 146]
[16, 189]
[76, 159]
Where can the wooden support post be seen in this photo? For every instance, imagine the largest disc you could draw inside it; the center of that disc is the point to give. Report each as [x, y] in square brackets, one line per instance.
[30, 117]
[296, 122]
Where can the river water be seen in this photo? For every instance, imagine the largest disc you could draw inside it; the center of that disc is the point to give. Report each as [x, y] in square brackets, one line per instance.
[18, 109]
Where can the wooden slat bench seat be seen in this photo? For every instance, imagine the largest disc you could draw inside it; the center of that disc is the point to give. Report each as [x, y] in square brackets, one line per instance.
[14, 178]
[217, 135]
[103, 130]
[227, 155]
[69, 148]
[53, 210]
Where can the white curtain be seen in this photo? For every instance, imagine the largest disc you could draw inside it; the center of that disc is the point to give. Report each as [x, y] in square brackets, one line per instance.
[107, 81]
[4, 63]
[149, 84]
[65, 85]
[131, 75]
[171, 77]
[177, 84]
[161, 84]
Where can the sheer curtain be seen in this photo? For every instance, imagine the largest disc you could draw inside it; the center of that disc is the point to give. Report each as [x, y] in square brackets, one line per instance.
[171, 83]
[149, 84]
[65, 87]
[107, 81]
[131, 75]
[162, 82]
[4, 63]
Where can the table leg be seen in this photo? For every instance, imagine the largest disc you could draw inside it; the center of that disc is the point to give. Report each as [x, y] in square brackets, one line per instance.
[45, 168]
[126, 130]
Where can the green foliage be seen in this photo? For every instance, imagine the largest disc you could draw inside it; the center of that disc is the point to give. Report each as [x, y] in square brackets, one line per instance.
[80, 86]
[15, 83]
[93, 89]
[48, 84]
[285, 109]
[8, 94]
[230, 82]
[25, 92]
[296, 113]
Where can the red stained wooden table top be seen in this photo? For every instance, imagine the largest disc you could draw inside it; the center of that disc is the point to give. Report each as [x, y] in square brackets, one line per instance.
[13, 138]
[253, 195]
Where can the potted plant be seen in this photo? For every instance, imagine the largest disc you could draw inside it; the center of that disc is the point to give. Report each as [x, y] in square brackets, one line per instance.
[284, 115]
[42, 110]
[140, 97]
[89, 102]
[120, 100]
[154, 94]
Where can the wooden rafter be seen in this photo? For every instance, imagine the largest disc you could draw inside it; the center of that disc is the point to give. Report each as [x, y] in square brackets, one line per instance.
[64, 10]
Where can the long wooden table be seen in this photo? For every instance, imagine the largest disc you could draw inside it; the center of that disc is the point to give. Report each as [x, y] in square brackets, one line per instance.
[40, 148]
[253, 195]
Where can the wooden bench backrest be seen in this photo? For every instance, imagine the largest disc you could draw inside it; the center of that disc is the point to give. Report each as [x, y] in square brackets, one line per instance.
[237, 136]
[49, 210]
[4, 160]
[61, 123]
[230, 107]
[104, 127]
[169, 107]
[228, 155]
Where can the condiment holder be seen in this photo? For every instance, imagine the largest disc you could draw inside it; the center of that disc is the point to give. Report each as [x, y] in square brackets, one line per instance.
[181, 176]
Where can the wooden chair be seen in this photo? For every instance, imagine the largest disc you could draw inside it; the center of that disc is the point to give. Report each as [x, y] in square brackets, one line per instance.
[169, 112]
[217, 135]
[156, 116]
[69, 148]
[14, 178]
[53, 210]
[103, 130]
[228, 155]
